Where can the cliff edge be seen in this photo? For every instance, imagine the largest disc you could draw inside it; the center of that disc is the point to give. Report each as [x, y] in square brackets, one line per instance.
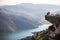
[53, 31]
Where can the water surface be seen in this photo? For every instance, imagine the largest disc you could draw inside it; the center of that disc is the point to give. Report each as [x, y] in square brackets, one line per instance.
[22, 34]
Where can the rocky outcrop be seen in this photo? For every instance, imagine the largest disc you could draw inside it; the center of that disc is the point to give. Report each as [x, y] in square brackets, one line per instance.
[55, 20]
[53, 32]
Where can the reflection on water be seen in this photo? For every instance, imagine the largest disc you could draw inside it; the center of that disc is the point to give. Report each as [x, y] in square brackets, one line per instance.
[22, 34]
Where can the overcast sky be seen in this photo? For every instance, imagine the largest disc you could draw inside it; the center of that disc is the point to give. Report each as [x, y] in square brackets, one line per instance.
[14, 2]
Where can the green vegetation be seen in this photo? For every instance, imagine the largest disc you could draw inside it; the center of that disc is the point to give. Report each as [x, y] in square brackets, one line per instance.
[40, 35]
[45, 38]
[51, 28]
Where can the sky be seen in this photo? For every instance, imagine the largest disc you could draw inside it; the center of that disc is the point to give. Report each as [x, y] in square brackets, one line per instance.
[14, 2]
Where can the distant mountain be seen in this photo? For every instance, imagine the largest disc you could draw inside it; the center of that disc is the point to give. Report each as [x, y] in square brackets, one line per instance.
[35, 10]
[24, 23]
[12, 23]
[26, 15]
[6, 24]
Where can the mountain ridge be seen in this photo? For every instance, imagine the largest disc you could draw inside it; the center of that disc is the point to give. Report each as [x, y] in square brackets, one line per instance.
[33, 13]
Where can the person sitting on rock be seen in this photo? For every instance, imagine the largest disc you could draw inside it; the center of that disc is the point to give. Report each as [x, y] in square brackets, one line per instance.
[48, 13]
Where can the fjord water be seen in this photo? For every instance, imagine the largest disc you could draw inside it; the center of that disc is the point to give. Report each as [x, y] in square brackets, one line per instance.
[23, 33]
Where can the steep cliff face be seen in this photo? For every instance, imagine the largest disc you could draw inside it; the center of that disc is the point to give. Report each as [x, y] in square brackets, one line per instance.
[6, 24]
[53, 32]
[55, 20]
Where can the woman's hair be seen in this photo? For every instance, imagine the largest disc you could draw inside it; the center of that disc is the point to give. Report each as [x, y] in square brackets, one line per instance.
[48, 13]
